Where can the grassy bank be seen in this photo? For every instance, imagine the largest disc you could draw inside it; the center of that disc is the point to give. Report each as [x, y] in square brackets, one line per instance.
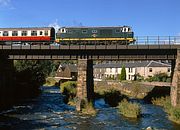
[127, 109]
[50, 81]
[69, 90]
[173, 112]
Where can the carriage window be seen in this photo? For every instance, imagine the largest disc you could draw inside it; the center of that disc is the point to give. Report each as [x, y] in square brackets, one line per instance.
[94, 31]
[5, 33]
[46, 33]
[117, 31]
[41, 33]
[14, 33]
[84, 31]
[24, 33]
[33, 33]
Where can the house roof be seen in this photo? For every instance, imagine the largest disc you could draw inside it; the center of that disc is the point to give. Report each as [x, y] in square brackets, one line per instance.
[72, 67]
[133, 64]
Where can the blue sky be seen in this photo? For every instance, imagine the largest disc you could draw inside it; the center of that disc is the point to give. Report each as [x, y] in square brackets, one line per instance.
[146, 17]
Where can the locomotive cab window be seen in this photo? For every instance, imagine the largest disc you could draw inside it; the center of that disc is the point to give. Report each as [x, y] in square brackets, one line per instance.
[14, 33]
[63, 30]
[5, 33]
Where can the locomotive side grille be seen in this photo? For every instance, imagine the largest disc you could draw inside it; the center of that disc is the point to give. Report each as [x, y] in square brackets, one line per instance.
[106, 32]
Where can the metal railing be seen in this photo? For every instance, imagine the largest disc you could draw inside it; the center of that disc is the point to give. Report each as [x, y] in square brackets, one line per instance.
[157, 40]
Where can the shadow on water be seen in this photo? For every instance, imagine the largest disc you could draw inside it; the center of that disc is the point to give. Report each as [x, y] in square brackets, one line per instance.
[157, 92]
[48, 111]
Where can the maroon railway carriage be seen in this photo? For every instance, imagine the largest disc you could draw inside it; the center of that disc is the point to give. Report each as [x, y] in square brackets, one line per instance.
[45, 35]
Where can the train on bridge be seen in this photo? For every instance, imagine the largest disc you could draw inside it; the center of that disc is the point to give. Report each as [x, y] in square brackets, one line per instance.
[122, 35]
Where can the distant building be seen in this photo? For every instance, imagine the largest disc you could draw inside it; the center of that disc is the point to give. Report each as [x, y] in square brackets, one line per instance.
[67, 72]
[143, 68]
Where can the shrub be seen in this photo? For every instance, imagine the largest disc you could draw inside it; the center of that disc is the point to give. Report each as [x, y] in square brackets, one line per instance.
[88, 109]
[69, 89]
[112, 97]
[50, 82]
[160, 77]
[128, 109]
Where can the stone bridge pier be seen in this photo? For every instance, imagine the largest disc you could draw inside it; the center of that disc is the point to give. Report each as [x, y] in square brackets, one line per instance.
[6, 82]
[85, 83]
[175, 87]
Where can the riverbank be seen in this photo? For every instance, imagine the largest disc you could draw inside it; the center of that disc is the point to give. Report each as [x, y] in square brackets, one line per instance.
[48, 111]
[173, 112]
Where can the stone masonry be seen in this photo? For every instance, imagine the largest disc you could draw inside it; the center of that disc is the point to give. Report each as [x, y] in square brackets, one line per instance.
[85, 87]
[175, 88]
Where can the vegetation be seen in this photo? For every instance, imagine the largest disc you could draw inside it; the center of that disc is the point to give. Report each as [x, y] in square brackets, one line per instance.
[69, 89]
[128, 109]
[113, 97]
[173, 112]
[160, 77]
[50, 81]
[123, 73]
[89, 109]
[30, 75]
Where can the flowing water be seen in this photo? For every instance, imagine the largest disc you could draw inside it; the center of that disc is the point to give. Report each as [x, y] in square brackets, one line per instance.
[48, 112]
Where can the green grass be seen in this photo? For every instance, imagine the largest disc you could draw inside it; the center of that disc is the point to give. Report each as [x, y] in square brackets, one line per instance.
[89, 109]
[127, 109]
[173, 112]
[50, 81]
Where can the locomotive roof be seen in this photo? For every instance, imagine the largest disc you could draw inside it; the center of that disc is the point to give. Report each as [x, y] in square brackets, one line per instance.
[27, 28]
[98, 27]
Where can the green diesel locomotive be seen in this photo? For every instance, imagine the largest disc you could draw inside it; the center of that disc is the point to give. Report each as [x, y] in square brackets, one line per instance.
[122, 35]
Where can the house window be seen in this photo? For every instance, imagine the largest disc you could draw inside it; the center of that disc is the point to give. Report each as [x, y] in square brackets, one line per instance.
[129, 76]
[24, 33]
[84, 31]
[150, 69]
[169, 69]
[33, 33]
[116, 70]
[110, 70]
[14, 33]
[130, 70]
[5, 33]
[94, 31]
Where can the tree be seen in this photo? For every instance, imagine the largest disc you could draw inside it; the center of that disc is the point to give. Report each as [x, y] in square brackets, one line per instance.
[123, 73]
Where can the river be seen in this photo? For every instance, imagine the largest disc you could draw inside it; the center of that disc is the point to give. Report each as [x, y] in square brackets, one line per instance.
[48, 112]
